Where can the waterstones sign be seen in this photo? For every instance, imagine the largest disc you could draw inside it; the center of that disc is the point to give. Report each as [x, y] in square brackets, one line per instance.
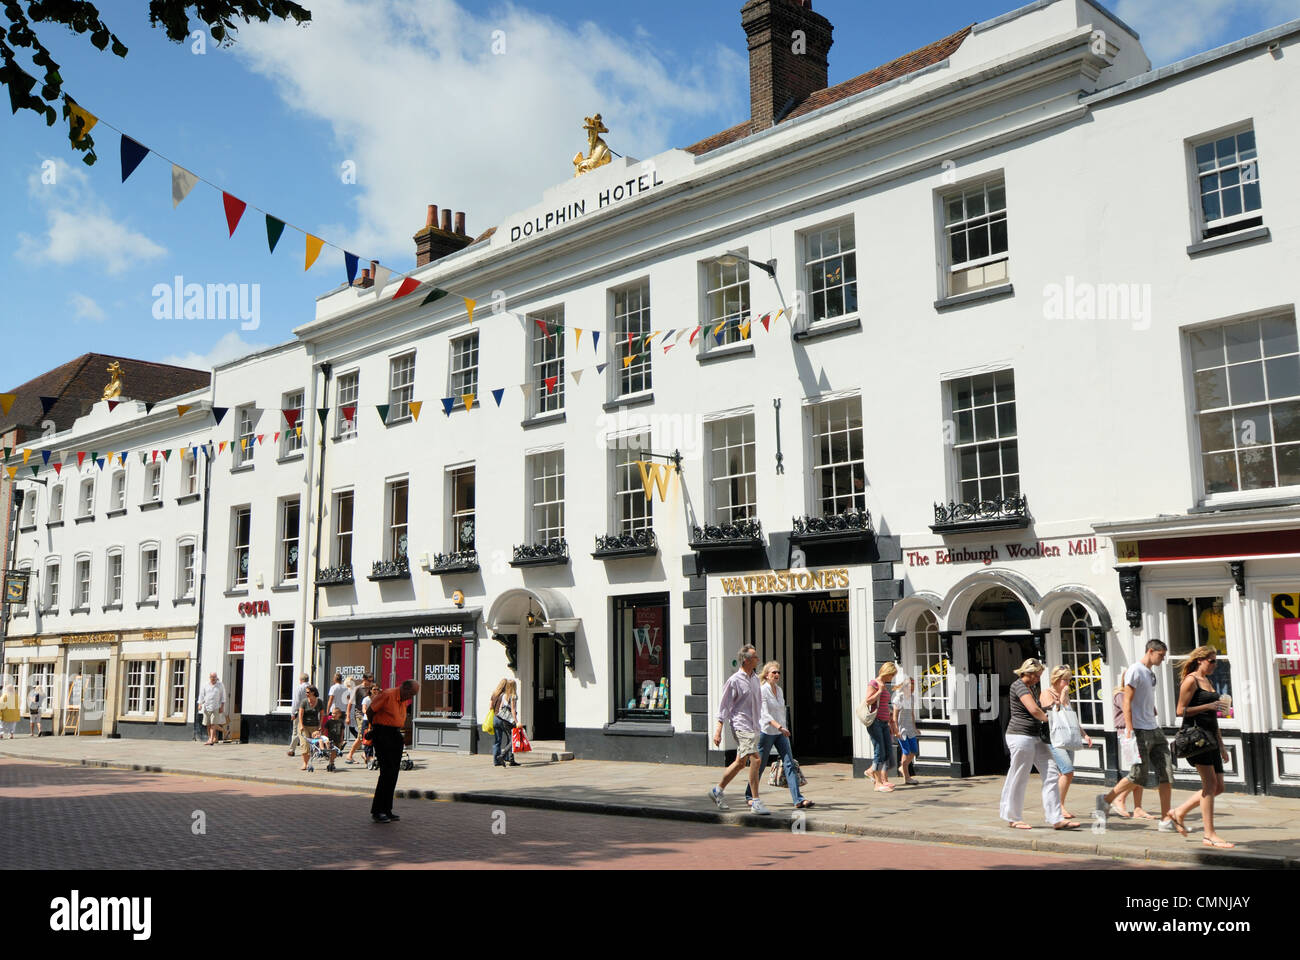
[787, 581]
[1037, 550]
[577, 209]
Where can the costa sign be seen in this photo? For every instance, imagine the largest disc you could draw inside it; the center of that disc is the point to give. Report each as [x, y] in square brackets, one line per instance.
[253, 608]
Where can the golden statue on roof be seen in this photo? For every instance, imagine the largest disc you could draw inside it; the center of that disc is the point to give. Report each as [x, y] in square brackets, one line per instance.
[114, 388]
[597, 151]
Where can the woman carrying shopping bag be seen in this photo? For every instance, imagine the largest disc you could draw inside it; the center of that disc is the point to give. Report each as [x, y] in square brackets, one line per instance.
[505, 711]
[1067, 734]
[1027, 744]
[875, 714]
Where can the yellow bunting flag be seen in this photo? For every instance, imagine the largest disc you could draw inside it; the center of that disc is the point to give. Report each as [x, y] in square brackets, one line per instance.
[627, 361]
[778, 315]
[27, 455]
[646, 345]
[468, 399]
[7, 402]
[416, 406]
[744, 330]
[469, 307]
[719, 327]
[11, 471]
[313, 250]
[578, 341]
[183, 408]
[87, 119]
[221, 447]
[243, 443]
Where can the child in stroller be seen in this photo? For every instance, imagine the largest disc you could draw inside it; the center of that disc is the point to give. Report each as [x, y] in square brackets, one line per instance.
[326, 745]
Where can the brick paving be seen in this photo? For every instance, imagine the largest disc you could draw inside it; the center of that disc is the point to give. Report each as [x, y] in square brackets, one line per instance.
[940, 810]
[66, 817]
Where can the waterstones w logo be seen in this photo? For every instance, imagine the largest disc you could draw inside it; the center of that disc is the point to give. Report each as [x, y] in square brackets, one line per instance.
[212, 301]
[76, 914]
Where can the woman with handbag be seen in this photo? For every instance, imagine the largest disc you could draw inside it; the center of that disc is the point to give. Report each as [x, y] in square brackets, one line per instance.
[875, 714]
[1200, 742]
[505, 709]
[1027, 741]
[1056, 699]
[773, 730]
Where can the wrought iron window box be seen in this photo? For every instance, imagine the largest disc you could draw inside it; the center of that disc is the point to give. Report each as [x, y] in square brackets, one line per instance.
[614, 546]
[741, 535]
[335, 576]
[466, 561]
[847, 527]
[1002, 513]
[397, 569]
[553, 552]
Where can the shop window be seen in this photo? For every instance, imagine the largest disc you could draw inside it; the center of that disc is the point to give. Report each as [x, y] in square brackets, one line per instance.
[350, 659]
[831, 266]
[442, 687]
[839, 468]
[975, 227]
[1286, 651]
[641, 658]
[631, 328]
[141, 688]
[284, 684]
[932, 670]
[178, 696]
[1246, 379]
[546, 360]
[1080, 654]
[42, 677]
[1195, 622]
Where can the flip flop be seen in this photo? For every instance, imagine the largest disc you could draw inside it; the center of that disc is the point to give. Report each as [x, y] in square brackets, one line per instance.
[804, 804]
[1019, 825]
[1144, 815]
[1221, 844]
[1119, 812]
[1066, 825]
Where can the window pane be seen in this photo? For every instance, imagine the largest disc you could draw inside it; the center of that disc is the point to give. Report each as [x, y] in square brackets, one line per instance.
[978, 238]
[1216, 432]
[1220, 472]
[998, 236]
[974, 204]
[1210, 205]
[1205, 157]
[1242, 340]
[1010, 457]
[997, 197]
[1246, 383]
[965, 427]
[1279, 335]
[1283, 376]
[983, 385]
[1286, 421]
[1288, 465]
[1252, 426]
[1006, 419]
[989, 461]
[1231, 202]
[1256, 469]
[959, 248]
[1250, 196]
[1211, 389]
[1207, 348]
[969, 463]
[985, 423]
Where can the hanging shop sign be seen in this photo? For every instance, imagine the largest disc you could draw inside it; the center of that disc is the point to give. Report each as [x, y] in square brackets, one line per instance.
[787, 581]
[253, 608]
[1035, 550]
[16, 587]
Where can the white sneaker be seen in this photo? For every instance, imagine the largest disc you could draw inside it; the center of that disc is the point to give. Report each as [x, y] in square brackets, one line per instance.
[757, 806]
[716, 796]
[1166, 826]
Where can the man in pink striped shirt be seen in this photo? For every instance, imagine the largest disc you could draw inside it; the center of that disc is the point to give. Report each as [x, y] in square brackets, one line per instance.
[742, 703]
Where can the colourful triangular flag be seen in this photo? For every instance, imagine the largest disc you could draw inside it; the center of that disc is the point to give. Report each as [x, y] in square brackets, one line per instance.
[595, 340]
[447, 404]
[383, 412]
[45, 455]
[8, 452]
[681, 333]
[183, 408]
[350, 265]
[542, 325]
[274, 227]
[577, 340]
[148, 407]
[600, 367]
[291, 417]
[261, 438]
[167, 454]
[243, 443]
[234, 210]
[435, 294]
[313, 251]
[81, 458]
[468, 399]
[58, 469]
[154, 457]
[221, 447]
[7, 403]
[80, 121]
[527, 389]
[349, 413]
[693, 333]
[669, 347]
[113, 405]
[497, 394]
[219, 414]
[627, 361]
[27, 455]
[550, 384]
[100, 463]
[276, 438]
[182, 183]
[132, 154]
[323, 413]
[11, 471]
[766, 318]
[744, 330]
[406, 287]
[36, 468]
[381, 278]
[415, 407]
[577, 376]
[469, 307]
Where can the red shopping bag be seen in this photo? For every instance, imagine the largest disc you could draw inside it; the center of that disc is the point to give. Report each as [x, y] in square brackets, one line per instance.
[519, 742]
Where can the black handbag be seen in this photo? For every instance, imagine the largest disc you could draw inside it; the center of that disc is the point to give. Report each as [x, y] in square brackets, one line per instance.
[1190, 741]
[1045, 732]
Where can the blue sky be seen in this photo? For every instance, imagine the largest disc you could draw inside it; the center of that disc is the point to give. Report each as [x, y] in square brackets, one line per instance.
[410, 92]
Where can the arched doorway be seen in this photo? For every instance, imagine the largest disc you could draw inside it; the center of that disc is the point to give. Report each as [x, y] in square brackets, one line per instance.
[539, 628]
[998, 641]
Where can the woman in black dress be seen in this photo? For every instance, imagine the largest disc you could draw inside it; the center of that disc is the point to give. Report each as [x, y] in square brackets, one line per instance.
[1198, 705]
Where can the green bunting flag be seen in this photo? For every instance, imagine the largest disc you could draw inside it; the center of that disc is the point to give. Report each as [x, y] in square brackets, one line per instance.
[434, 294]
[323, 413]
[383, 412]
[274, 228]
[36, 468]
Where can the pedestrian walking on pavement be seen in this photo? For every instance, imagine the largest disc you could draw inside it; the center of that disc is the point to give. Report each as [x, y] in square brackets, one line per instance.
[904, 695]
[1155, 764]
[1026, 729]
[11, 710]
[505, 707]
[1199, 704]
[298, 696]
[310, 716]
[357, 715]
[883, 728]
[213, 702]
[774, 731]
[1118, 807]
[1056, 697]
[387, 713]
[35, 700]
[742, 708]
[336, 703]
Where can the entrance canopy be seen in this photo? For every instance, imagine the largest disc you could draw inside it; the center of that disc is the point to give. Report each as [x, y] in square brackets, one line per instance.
[551, 611]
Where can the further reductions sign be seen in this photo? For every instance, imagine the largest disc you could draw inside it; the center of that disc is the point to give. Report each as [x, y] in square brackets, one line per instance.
[1286, 637]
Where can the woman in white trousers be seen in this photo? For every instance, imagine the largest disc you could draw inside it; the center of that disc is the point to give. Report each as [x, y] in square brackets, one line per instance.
[1028, 750]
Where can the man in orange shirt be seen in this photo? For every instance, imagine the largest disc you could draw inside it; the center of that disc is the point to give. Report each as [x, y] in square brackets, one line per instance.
[387, 714]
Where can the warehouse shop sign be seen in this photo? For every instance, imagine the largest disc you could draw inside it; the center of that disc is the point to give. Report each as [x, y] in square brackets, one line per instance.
[576, 209]
[787, 581]
[441, 630]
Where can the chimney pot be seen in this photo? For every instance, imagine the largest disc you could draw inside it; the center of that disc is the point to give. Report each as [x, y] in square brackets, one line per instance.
[460, 223]
[431, 220]
[446, 220]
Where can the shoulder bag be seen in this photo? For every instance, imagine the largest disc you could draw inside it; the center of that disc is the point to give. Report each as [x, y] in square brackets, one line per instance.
[867, 714]
[1191, 740]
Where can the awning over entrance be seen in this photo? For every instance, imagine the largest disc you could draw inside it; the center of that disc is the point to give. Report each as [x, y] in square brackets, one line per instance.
[550, 608]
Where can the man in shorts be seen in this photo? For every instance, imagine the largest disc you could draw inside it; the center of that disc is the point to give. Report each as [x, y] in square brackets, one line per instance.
[742, 703]
[1155, 764]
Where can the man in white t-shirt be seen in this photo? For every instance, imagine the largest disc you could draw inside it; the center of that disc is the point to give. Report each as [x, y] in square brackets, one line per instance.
[1155, 764]
[337, 704]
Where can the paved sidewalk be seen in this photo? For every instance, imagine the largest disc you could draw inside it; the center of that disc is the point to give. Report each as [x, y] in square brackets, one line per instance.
[940, 810]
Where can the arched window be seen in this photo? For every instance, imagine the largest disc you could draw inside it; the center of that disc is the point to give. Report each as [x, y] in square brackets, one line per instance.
[1081, 655]
[997, 608]
[113, 578]
[932, 670]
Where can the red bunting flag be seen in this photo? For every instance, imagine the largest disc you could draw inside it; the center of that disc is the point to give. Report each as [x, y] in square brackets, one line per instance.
[407, 286]
[261, 438]
[766, 319]
[81, 456]
[276, 438]
[58, 469]
[350, 412]
[550, 384]
[113, 405]
[694, 332]
[542, 323]
[234, 210]
[291, 417]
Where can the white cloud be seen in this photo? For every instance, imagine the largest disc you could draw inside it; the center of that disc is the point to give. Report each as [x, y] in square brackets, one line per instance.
[229, 347]
[85, 308]
[429, 114]
[80, 229]
[1174, 29]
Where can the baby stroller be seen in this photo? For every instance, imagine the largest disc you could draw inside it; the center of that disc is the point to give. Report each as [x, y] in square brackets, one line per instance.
[326, 749]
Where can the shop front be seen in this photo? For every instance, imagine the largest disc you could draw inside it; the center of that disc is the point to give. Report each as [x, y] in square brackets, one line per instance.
[437, 650]
[1233, 586]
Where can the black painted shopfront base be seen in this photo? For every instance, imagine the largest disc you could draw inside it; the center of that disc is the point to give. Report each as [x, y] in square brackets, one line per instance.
[665, 745]
[154, 731]
[267, 728]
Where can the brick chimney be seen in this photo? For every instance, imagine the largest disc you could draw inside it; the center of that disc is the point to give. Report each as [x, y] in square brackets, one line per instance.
[435, 242]
[788, 47]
